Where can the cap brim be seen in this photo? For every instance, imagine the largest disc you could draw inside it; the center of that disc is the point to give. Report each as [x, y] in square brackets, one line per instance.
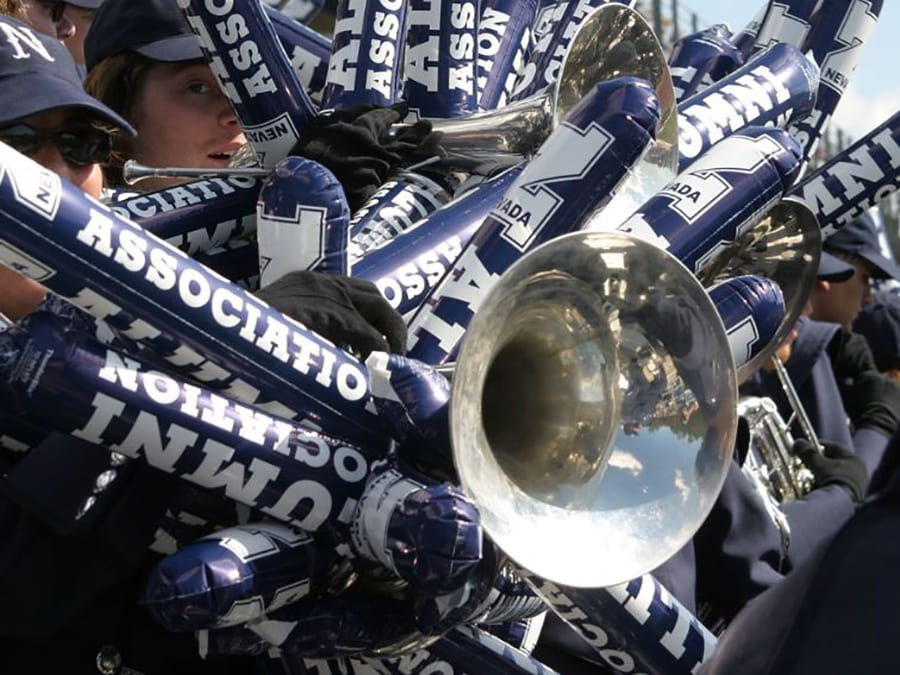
[832, 268]
[173, 49]
[885, 268]
[58, 93]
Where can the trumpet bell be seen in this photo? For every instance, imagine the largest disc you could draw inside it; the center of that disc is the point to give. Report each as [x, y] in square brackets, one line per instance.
[616, 41]
[784, 247]
[613, 41]
[593, 409]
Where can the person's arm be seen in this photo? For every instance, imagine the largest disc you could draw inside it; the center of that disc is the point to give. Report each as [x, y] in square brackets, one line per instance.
[738, 549]
[841, 480]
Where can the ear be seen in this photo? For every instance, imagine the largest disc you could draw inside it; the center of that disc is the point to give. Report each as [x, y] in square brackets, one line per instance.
[823, 285]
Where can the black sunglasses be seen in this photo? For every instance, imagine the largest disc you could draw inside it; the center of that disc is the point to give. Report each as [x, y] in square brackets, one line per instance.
[54, 9]
[82, 145]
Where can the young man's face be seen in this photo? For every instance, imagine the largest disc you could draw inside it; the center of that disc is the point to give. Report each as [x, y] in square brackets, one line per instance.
[841, 302]
[183, 119]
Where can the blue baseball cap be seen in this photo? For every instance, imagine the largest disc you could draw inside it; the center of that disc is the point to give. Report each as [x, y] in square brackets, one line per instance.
[37, 74]
[879, 323]
[153, 28]
[832, 268]
[859, 238]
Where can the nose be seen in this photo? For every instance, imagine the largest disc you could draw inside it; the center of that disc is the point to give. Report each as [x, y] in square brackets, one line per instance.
[227, 118]
[867, 294]
[65, 28]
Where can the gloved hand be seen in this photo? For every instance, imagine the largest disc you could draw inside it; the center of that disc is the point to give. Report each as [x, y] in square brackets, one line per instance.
[349, 312]
[358, 148]
[874, 401]
[851, 357]
[837, 465]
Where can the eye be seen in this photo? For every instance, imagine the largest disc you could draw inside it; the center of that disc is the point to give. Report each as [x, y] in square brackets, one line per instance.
[200, 87]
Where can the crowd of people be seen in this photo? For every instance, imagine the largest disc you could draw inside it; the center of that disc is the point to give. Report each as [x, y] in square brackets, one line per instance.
[89, 84]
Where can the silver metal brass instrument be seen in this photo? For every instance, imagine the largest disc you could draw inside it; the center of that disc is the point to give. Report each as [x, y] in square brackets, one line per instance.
[134, 172]
[613, 41]
[798, 413]
[783, 246]
[780, 471]
[582, 421]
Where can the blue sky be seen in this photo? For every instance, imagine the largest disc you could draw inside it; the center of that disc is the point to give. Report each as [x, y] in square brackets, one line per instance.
[874, 92]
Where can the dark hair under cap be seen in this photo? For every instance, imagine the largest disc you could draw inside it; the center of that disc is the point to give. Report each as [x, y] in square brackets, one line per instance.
[153, 28]
[37, 74]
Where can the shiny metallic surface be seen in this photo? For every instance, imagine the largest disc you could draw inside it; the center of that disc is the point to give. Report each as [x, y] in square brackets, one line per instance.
[244, 157]
[782, 473]
[86, 506]
[613, 41]
[108, 660]
[516, 129]
[117, 459]
[763, 466]
[104, 480]
[586, 421]
[784, 247]
[134, 172]
[799, 412]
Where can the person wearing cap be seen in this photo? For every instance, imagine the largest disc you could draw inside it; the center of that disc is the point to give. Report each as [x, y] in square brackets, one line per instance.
[69, 588]
[856, 244]
[81, 14]
[144, 61]
[879, 323]
[45, 16]
[47, 115]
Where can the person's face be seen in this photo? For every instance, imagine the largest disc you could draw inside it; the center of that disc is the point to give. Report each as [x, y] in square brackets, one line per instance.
[48, 17]
[840, 302]
[88, 177]
[183, 120]
[19, 295]
[80, 18]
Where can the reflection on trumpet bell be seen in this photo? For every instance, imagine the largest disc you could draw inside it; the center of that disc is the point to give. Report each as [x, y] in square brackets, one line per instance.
[550, 400]
[593, 408]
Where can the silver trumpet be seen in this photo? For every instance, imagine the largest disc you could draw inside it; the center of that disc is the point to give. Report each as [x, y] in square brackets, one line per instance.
[778, 475]
[134, 172]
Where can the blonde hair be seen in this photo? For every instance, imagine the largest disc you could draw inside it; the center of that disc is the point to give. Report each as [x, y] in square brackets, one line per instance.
[14, 8]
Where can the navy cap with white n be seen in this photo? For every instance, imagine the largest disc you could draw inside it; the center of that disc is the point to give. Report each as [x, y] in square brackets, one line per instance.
[37, 74]
[153, 28]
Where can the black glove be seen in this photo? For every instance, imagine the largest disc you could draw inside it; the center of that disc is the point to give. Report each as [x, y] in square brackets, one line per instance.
[356, 145]
[837, 465]
[874, 401]
[851, 357]
[349, 312]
